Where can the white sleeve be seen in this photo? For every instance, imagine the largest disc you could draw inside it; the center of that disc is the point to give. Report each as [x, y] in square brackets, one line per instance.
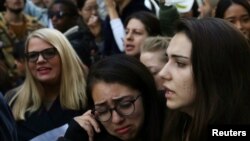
[118, 32]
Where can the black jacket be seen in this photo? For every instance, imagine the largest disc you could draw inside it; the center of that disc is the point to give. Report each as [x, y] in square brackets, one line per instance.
[7, 123]
[42, 120]
[76, 133]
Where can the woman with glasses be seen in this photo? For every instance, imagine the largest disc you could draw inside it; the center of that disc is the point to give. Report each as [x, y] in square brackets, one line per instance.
[53, 91]
[124, 103]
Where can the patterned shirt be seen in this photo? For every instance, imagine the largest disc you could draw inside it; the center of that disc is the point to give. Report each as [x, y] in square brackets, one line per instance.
[11, 34]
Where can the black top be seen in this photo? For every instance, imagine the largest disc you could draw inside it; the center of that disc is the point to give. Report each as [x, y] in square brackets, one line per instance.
[76, 133]
[7, 123]
[43, 120]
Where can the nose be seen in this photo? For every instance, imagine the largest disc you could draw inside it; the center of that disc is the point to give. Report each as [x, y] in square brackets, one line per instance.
[40, 58]
[128, 35]
[165, 72]
[238, 25]
[94, 11]
[116, 118]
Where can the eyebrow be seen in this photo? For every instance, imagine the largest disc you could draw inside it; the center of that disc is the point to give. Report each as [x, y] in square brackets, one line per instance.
[176, 56]
[179, 56]
[101, 103]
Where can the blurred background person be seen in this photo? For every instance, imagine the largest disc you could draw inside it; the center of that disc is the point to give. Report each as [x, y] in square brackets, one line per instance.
[118, 12]
[153, 57]
[90, 19]
[64, 16]
[139, 26]
[237, 12]
[207, 8]
[14, 27]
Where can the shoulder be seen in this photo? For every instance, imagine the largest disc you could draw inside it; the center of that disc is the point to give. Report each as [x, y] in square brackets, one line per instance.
[32, 22]
[7, 130]
[10, 94]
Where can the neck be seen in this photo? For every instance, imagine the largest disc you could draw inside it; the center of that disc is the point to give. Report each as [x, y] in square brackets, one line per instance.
[50, 92]
[122, 5]
[14, 18]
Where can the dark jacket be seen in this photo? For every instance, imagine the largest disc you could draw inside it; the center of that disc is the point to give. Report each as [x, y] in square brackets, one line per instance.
[7, 123]
[83, 43]
[76, 133]
[42, 120]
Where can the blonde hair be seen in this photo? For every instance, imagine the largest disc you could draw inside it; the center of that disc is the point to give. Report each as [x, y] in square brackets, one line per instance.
[154, 44]
[72, 92]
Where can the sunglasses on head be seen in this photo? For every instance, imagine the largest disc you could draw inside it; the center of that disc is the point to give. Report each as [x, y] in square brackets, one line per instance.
[58, 15]
[46, 54]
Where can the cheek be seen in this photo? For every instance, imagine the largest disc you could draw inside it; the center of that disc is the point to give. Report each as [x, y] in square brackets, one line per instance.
[188, 91]
[139, 113]
[139, 41]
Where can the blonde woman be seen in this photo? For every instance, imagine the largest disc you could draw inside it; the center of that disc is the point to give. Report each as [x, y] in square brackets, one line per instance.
[153, 56]
[54, 89]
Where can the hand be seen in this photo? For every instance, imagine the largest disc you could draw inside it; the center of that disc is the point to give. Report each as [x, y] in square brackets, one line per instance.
[92, 20]
[88, 123]
[110, 4]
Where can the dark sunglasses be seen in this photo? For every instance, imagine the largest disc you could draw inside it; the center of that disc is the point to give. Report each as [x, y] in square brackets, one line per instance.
[58, 15]
[46, 54]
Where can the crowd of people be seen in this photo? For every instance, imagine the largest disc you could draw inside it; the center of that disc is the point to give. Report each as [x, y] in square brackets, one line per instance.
[123, 70]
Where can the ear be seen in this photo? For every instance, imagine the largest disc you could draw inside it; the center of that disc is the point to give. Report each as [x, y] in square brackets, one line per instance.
[79, 12]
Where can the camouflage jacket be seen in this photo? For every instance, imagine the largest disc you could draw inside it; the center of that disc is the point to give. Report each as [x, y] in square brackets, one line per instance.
[8, 38]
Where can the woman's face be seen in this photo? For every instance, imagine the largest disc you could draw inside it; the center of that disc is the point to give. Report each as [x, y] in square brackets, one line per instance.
[115, 95]
[90, 9]
[44, 70]
[177, 75]
[238, 15]
[136, 33]
[154, 61]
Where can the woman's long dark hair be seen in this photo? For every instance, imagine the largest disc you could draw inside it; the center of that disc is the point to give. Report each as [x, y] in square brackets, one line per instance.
[130, 72]
[220, 59]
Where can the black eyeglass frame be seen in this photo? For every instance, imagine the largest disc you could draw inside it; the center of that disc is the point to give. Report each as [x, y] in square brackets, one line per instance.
[110, 110]
[46, 54]
[58, 14]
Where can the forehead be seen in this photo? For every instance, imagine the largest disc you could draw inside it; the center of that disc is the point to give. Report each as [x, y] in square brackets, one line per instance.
[152, 57]
[180, 45]
[235, 10]
[59, 7]
[37, 44]
[103, 91]
[135, 23]
[88, 2]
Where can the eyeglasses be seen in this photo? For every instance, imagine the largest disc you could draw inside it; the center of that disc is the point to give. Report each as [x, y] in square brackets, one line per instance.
[123, 108]
[58, 15]
[46, 54]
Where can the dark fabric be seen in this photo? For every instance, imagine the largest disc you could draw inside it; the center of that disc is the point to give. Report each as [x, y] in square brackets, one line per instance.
[84, 44]
[110, 46]
[168, 16]
[7, 123]
[43, 120]
[76, 133]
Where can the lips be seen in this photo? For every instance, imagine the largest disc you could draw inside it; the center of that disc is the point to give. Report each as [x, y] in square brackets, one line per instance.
[123, 130]
[43, 70]
[129, 47]
[169, 93]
